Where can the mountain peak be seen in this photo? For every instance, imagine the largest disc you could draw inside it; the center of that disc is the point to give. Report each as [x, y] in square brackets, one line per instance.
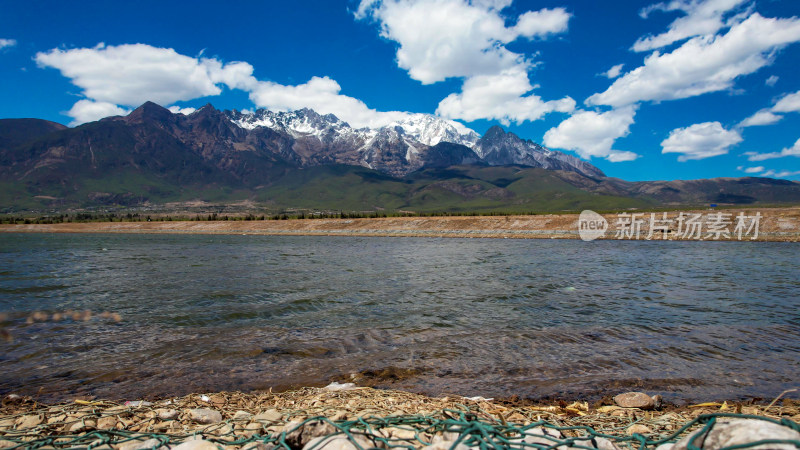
[149, 111]
[496, 131]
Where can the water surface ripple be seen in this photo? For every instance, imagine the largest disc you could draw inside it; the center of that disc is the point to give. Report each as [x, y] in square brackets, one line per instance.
[491, 317]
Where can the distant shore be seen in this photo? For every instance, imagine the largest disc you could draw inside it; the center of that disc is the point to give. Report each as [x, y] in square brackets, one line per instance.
[775, 225]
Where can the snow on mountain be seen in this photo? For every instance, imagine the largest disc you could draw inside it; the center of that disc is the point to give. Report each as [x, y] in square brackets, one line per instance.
[402, 146]
[415, 129]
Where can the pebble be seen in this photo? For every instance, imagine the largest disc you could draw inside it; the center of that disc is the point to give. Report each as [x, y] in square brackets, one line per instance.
[258, 446]
[166, 414]
[298, 434]
[242, 415]
[638, 429]
[204, 416]
[106, 423]
[738, 432]
[138, 445]
[82, 425]
[635, 400]
[28, 421]
[538, 436]
[270, 415]
[196, 444]
[339, 442]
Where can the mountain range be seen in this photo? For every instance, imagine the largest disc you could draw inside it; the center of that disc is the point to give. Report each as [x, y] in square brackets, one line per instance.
[302, 159]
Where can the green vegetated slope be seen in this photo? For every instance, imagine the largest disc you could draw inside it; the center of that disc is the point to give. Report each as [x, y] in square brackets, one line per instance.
[456, 189]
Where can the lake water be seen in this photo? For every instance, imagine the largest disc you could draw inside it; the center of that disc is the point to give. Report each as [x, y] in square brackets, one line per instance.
[490, 317]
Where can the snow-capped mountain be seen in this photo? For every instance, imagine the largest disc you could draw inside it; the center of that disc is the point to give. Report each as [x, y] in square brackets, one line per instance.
[404, 146]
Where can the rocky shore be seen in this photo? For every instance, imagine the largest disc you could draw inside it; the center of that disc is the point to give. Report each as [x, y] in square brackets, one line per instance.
[775, 224]
[343, 416]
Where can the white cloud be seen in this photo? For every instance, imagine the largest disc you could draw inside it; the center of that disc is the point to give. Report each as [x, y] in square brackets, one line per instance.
[763, 117]
[613, 72]
[322, 95]
[116, 77]
[703, 17]
[5, 43]
[771, 80]
[501, 97]
[89, 110]
[441, 39]
[700, 141]
[592, 134]
[543, 22]
[788, 103]
[780, 174]
[184, 111]
[790, 151]
[703, 64]
[132, 74]
[757, 169]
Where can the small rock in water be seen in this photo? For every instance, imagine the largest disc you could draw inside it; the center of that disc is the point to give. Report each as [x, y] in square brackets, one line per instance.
[204, 416]
[138, 403]
[340, 386]
[739, 432]
[635, 400]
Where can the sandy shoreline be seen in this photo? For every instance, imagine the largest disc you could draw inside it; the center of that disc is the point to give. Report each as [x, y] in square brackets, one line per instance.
[368, 417]
[775, 225]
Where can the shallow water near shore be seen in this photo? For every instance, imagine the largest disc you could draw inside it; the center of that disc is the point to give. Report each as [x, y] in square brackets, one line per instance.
[490, 317]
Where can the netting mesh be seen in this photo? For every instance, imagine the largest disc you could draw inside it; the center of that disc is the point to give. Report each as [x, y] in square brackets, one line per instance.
[366, 418]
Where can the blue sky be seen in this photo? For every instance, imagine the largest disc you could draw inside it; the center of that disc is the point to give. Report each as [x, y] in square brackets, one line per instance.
[706, 88]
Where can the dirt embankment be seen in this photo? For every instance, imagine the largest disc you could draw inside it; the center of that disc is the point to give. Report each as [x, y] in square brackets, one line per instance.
[760, 224]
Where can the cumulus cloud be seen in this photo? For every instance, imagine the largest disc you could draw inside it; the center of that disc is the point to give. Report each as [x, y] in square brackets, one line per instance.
[89, 110]
[702, 18]
[786, 104]
[131, 74]
[502, 97]
[700, 141]
[613, 72]
[790, 151]
[116, 78]
[179, 110]
[703, 64]
[763, 117]
[780, 174]
[771, 80]
[757, 169]
[322, 95]
[592, 134]
[441, 39]
[5, 43]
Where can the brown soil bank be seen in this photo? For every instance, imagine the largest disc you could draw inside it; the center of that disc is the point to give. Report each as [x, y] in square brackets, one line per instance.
[759, 224]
